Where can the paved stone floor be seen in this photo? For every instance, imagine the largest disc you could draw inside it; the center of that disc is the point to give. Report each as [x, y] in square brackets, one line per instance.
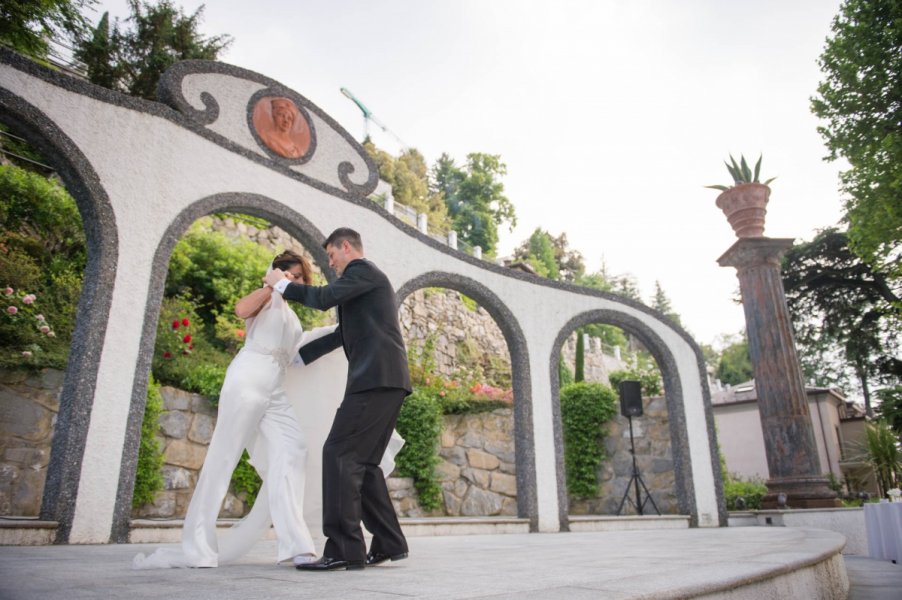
[610, 565]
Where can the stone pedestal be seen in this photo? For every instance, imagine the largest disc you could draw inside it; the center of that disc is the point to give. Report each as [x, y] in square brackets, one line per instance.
[796, 479]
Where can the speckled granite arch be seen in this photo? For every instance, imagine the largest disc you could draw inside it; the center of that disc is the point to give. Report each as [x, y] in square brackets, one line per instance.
[673, 395]
[293, 223]
[142, 171]
[519, 353]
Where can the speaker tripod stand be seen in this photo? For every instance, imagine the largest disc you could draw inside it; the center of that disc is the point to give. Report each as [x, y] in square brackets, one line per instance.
[636, 480]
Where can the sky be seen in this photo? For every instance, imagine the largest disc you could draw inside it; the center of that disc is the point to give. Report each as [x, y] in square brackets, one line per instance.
[610, 115]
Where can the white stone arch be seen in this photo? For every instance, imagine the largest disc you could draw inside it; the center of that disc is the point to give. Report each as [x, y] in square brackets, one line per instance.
[693, 441]
[273, 211]
[141, 171]
[102, 242]
[524, 443]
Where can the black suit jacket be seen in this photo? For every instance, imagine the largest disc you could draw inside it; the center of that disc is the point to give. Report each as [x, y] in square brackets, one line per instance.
[368, 327]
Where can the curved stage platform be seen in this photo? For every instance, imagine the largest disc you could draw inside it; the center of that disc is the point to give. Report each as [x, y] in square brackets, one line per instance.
[734, 563]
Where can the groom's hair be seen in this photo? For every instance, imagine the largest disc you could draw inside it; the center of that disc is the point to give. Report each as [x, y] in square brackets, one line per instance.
[288, 259]
[344, 234]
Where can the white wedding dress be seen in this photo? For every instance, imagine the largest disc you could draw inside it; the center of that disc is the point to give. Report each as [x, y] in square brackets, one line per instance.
[256, 414]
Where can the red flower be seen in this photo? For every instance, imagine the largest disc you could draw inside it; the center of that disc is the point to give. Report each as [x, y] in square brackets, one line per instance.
[187, 338]
[186, 322]
[167, 355]
[239, 332]
[175, 324]
[191, 347]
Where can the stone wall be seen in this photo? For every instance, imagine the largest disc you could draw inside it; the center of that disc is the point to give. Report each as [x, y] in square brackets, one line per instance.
[186, 426]
[654, 459]
[476, 469]
[29, 403]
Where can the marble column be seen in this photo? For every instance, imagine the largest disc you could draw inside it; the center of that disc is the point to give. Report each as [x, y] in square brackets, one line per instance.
[796, 477]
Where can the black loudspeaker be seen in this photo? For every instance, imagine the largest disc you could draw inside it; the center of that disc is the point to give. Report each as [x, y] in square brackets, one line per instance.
[630, 399]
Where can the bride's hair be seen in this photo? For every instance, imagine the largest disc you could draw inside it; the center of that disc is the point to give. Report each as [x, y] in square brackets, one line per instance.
[288, 259]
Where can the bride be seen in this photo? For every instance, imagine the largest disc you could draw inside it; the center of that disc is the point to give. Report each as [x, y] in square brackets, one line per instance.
[255, 414]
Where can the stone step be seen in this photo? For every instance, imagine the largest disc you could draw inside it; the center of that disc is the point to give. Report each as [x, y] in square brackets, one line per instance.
[32, 532]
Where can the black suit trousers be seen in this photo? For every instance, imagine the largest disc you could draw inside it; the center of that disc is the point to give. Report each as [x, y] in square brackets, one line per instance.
[354, 487]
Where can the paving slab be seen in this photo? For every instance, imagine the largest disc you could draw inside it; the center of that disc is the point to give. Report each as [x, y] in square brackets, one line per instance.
[715, 563]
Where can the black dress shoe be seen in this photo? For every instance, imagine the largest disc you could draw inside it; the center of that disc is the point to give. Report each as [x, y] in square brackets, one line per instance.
[375, 558]
[331, 564]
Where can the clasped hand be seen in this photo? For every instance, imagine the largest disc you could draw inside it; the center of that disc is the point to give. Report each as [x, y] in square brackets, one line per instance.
[274, 277]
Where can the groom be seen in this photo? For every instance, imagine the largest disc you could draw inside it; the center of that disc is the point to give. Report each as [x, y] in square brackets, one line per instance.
[378, 381]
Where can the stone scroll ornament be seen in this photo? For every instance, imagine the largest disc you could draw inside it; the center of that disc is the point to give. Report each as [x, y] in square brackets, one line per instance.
[269, 123]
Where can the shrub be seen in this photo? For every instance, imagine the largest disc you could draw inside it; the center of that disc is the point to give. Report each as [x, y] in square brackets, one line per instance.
[195, 365]
[585, 408]
[246, 479]
[42, 253]
[649, 378]
[752, 491]
[420, 424]
[148, 477]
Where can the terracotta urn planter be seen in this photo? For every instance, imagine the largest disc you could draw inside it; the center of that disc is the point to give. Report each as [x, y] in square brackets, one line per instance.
[745, 207]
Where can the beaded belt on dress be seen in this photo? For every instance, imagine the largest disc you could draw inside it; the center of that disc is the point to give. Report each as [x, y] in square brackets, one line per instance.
[280, 355]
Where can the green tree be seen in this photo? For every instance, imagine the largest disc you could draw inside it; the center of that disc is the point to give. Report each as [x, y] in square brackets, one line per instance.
[890, 407]
[538, 251]
[579, 361]
[99, 54]
[860, 100]
[626, 285]
[28, 25]
[475, 198]
[610, 335]
[735, 365]
[883, 454]
[846, 314]
[408, 176]
[132, 60]
[661, 303]
[551, 256]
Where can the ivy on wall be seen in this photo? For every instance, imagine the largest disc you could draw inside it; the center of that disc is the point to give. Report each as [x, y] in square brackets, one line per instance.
[148, 474]
[585, 408]
[420, 424]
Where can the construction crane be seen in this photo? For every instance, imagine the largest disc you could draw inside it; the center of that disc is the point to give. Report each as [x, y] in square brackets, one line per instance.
[368, 116]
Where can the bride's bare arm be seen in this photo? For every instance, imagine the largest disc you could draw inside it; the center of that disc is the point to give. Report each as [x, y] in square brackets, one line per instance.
[251, 304]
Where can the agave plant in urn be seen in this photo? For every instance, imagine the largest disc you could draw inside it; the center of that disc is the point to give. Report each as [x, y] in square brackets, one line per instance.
[745, 202]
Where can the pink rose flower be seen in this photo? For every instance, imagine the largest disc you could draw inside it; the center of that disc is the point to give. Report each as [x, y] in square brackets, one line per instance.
[44, 329]
[12, 310]
[26, 353]
[40, 317]
[9, 291]
[29, 299]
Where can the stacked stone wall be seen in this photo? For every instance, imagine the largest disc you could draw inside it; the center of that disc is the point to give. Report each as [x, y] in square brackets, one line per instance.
[186, 427]
[29, 404]
[477, 469]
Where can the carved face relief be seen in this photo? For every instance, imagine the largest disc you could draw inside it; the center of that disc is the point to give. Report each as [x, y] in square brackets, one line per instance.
[281, 126]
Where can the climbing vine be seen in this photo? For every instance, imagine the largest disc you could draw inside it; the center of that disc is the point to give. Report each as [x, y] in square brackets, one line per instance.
[585, 408]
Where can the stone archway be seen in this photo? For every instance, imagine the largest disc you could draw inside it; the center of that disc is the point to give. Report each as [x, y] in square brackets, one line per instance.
[137, 167]
[680, 430]
[273, 211]
[101, 237]
[516, 342]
